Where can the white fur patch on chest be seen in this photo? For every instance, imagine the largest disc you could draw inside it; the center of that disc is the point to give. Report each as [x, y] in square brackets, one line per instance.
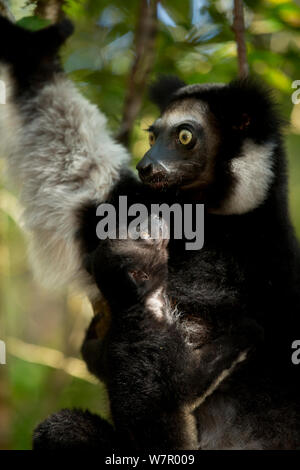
[159, 305]
[155, 303]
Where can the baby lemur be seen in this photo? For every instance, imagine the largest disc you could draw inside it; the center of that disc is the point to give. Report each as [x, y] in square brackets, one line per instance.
[155, 373]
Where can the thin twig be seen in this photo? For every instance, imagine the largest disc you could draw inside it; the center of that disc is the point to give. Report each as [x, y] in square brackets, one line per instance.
[50, 358]
[144, 56]
[239, 31]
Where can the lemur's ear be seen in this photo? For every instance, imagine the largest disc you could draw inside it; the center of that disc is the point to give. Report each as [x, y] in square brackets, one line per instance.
[250, 103]
[246, 107]
[162, 90]
[242, 122]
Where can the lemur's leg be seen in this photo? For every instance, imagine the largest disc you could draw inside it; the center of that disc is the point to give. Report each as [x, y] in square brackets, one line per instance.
[57, 146]
[154, 378]
[75, 430]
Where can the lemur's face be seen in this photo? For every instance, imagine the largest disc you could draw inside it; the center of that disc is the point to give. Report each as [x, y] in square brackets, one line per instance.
[183, 145]
[213, 143]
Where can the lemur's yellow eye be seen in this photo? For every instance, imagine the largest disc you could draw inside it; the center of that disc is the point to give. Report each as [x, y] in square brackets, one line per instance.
[185, 136]
[151, 138]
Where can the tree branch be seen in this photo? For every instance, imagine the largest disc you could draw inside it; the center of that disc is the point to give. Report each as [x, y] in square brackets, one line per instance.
[50, 10]
[50, 358]
[145, 35]
[239, 31]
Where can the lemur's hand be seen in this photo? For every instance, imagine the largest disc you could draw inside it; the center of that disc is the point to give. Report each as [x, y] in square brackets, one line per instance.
[218, 359]
[32, 54]
[128, 270]
[34, 44]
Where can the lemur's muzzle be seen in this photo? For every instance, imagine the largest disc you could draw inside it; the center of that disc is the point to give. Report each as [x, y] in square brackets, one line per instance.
[149, 171]
[153, 168]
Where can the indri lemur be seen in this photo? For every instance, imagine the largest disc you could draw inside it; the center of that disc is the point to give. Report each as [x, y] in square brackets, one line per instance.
[198, 353]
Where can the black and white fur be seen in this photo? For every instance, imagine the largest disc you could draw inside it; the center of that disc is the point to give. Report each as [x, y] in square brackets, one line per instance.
[58, 149]
[193, 372]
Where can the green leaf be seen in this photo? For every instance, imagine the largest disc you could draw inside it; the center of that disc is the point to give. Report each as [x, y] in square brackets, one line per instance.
[33, 23]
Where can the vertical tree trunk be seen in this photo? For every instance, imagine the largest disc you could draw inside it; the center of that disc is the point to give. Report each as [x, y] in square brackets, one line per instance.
[145, 35]
[239, 30]
[50, 10]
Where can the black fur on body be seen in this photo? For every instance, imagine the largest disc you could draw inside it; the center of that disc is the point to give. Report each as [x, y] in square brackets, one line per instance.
[245, 280]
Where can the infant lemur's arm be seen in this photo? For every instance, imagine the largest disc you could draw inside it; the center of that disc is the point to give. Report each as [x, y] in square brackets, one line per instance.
[154, 376]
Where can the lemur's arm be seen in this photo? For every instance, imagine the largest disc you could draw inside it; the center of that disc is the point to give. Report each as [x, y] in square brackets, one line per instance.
[58, 148]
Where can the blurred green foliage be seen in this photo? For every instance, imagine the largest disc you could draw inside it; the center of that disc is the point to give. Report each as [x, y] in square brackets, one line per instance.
[194, 41]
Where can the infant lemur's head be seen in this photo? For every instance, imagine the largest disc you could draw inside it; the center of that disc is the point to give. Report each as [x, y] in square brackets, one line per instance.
[214, 143]
[129, 269]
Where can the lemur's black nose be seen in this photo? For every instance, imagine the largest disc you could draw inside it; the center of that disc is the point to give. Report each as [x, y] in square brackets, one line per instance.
[145, 169]
[151, 169]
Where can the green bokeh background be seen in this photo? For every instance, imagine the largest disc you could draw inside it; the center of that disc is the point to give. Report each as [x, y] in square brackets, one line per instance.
[196, 42]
